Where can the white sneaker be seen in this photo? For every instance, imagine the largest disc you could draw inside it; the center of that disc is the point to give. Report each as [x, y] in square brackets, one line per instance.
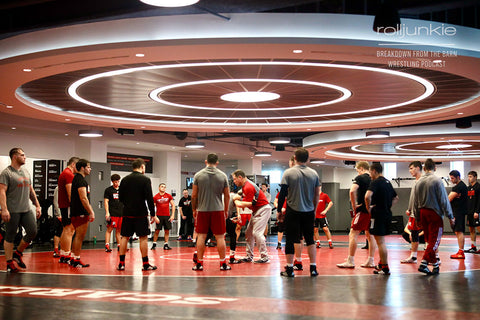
[346, 264]
[409, 260]
[368, 264]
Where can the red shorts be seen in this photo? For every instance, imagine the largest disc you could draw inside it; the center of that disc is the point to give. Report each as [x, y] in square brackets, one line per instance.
[78, 221]
[210, 220]
[115, 222]
[245, 218]
[361, 221]
[412, 224]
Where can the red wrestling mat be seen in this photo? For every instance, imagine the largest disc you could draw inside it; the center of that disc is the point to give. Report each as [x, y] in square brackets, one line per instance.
[178, 261]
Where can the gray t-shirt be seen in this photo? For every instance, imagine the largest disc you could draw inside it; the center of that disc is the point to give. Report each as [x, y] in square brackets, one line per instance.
[302, 182]
[210, 182]
[18, 189]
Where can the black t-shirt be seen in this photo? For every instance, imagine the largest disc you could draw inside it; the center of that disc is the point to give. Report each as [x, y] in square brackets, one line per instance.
[115, 207]
[76, 206]
[186, 205]
[459, 204]
[363, 181]
[383, 194]
[473, 198]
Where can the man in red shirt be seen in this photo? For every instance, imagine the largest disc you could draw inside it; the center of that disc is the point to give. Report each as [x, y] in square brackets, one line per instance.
[64, 196]
[163, 202]
[254, 199]
[324, 204]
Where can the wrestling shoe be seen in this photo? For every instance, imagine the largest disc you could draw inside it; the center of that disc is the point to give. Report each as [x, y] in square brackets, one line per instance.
[313, 271]
[435, 270]
[346, 264]
[197, 267]
[148, 267]
[56, 254]
[409, 260]
[382, 269]
[458, 255]
[423, 267]
[473, 249]
[297, 265]
[121, 266]
[318, 245]
[154, 246]
[11, 267]
[224, 266]
[107, 248]
[279, 246]
[166, 247]
[330, 244]
[78, 264]
[17, 257]
[368, 264]
[288, 272]
[245, 260]
[262, 260]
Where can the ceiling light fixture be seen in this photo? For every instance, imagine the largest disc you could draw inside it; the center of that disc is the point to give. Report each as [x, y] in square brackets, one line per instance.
[317, 161]
[194, 145]
[279, 140]
[250, 96]
[377, 134]
[262, 154]
[170, 3]
[90, 133]
[454, 146]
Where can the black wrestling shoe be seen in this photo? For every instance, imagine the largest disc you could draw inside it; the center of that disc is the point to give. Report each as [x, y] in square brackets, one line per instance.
[288, 273]
[17, 257]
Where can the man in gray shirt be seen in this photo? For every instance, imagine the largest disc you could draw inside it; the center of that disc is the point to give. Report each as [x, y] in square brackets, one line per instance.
[209, 211]
[301, 185]
[430, 201]
[15, 192]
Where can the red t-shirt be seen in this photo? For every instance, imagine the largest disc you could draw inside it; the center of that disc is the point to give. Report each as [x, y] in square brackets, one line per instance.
[66, 177]
[162, 202]
[322, 204]
[248, 191]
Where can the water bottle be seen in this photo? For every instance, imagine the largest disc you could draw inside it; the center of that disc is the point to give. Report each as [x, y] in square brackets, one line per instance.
[94, 240]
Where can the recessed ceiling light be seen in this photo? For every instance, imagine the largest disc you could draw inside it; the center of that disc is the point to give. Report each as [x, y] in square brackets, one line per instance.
[377, 134]
[170, 3]
[194, 145]
[27, 70]
[388, 123]
[454, 146]
[250, 96]
[297, 51]
[9, 107]
[66, 134]
[142, 127]
[309, 129]
[138, 143]
[140, 55]
[67, 119]
[13, 128]
[317, 161]
[90, 133]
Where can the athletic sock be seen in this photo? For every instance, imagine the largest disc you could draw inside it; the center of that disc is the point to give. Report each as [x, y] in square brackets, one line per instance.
[145, 260]
[122, 258]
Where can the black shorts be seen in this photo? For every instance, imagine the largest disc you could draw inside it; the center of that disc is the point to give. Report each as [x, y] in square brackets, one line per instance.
[164, 223]
[380, 225]
[138, 225]
[57, 227]
[472, 222]
[321, 223]
[280, 226]
[459, 223]
[65, 216]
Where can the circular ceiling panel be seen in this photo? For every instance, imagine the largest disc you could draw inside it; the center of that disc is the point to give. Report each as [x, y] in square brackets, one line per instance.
[189, 93]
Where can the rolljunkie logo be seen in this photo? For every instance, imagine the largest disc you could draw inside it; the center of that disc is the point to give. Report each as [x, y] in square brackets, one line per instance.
[415, 31]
